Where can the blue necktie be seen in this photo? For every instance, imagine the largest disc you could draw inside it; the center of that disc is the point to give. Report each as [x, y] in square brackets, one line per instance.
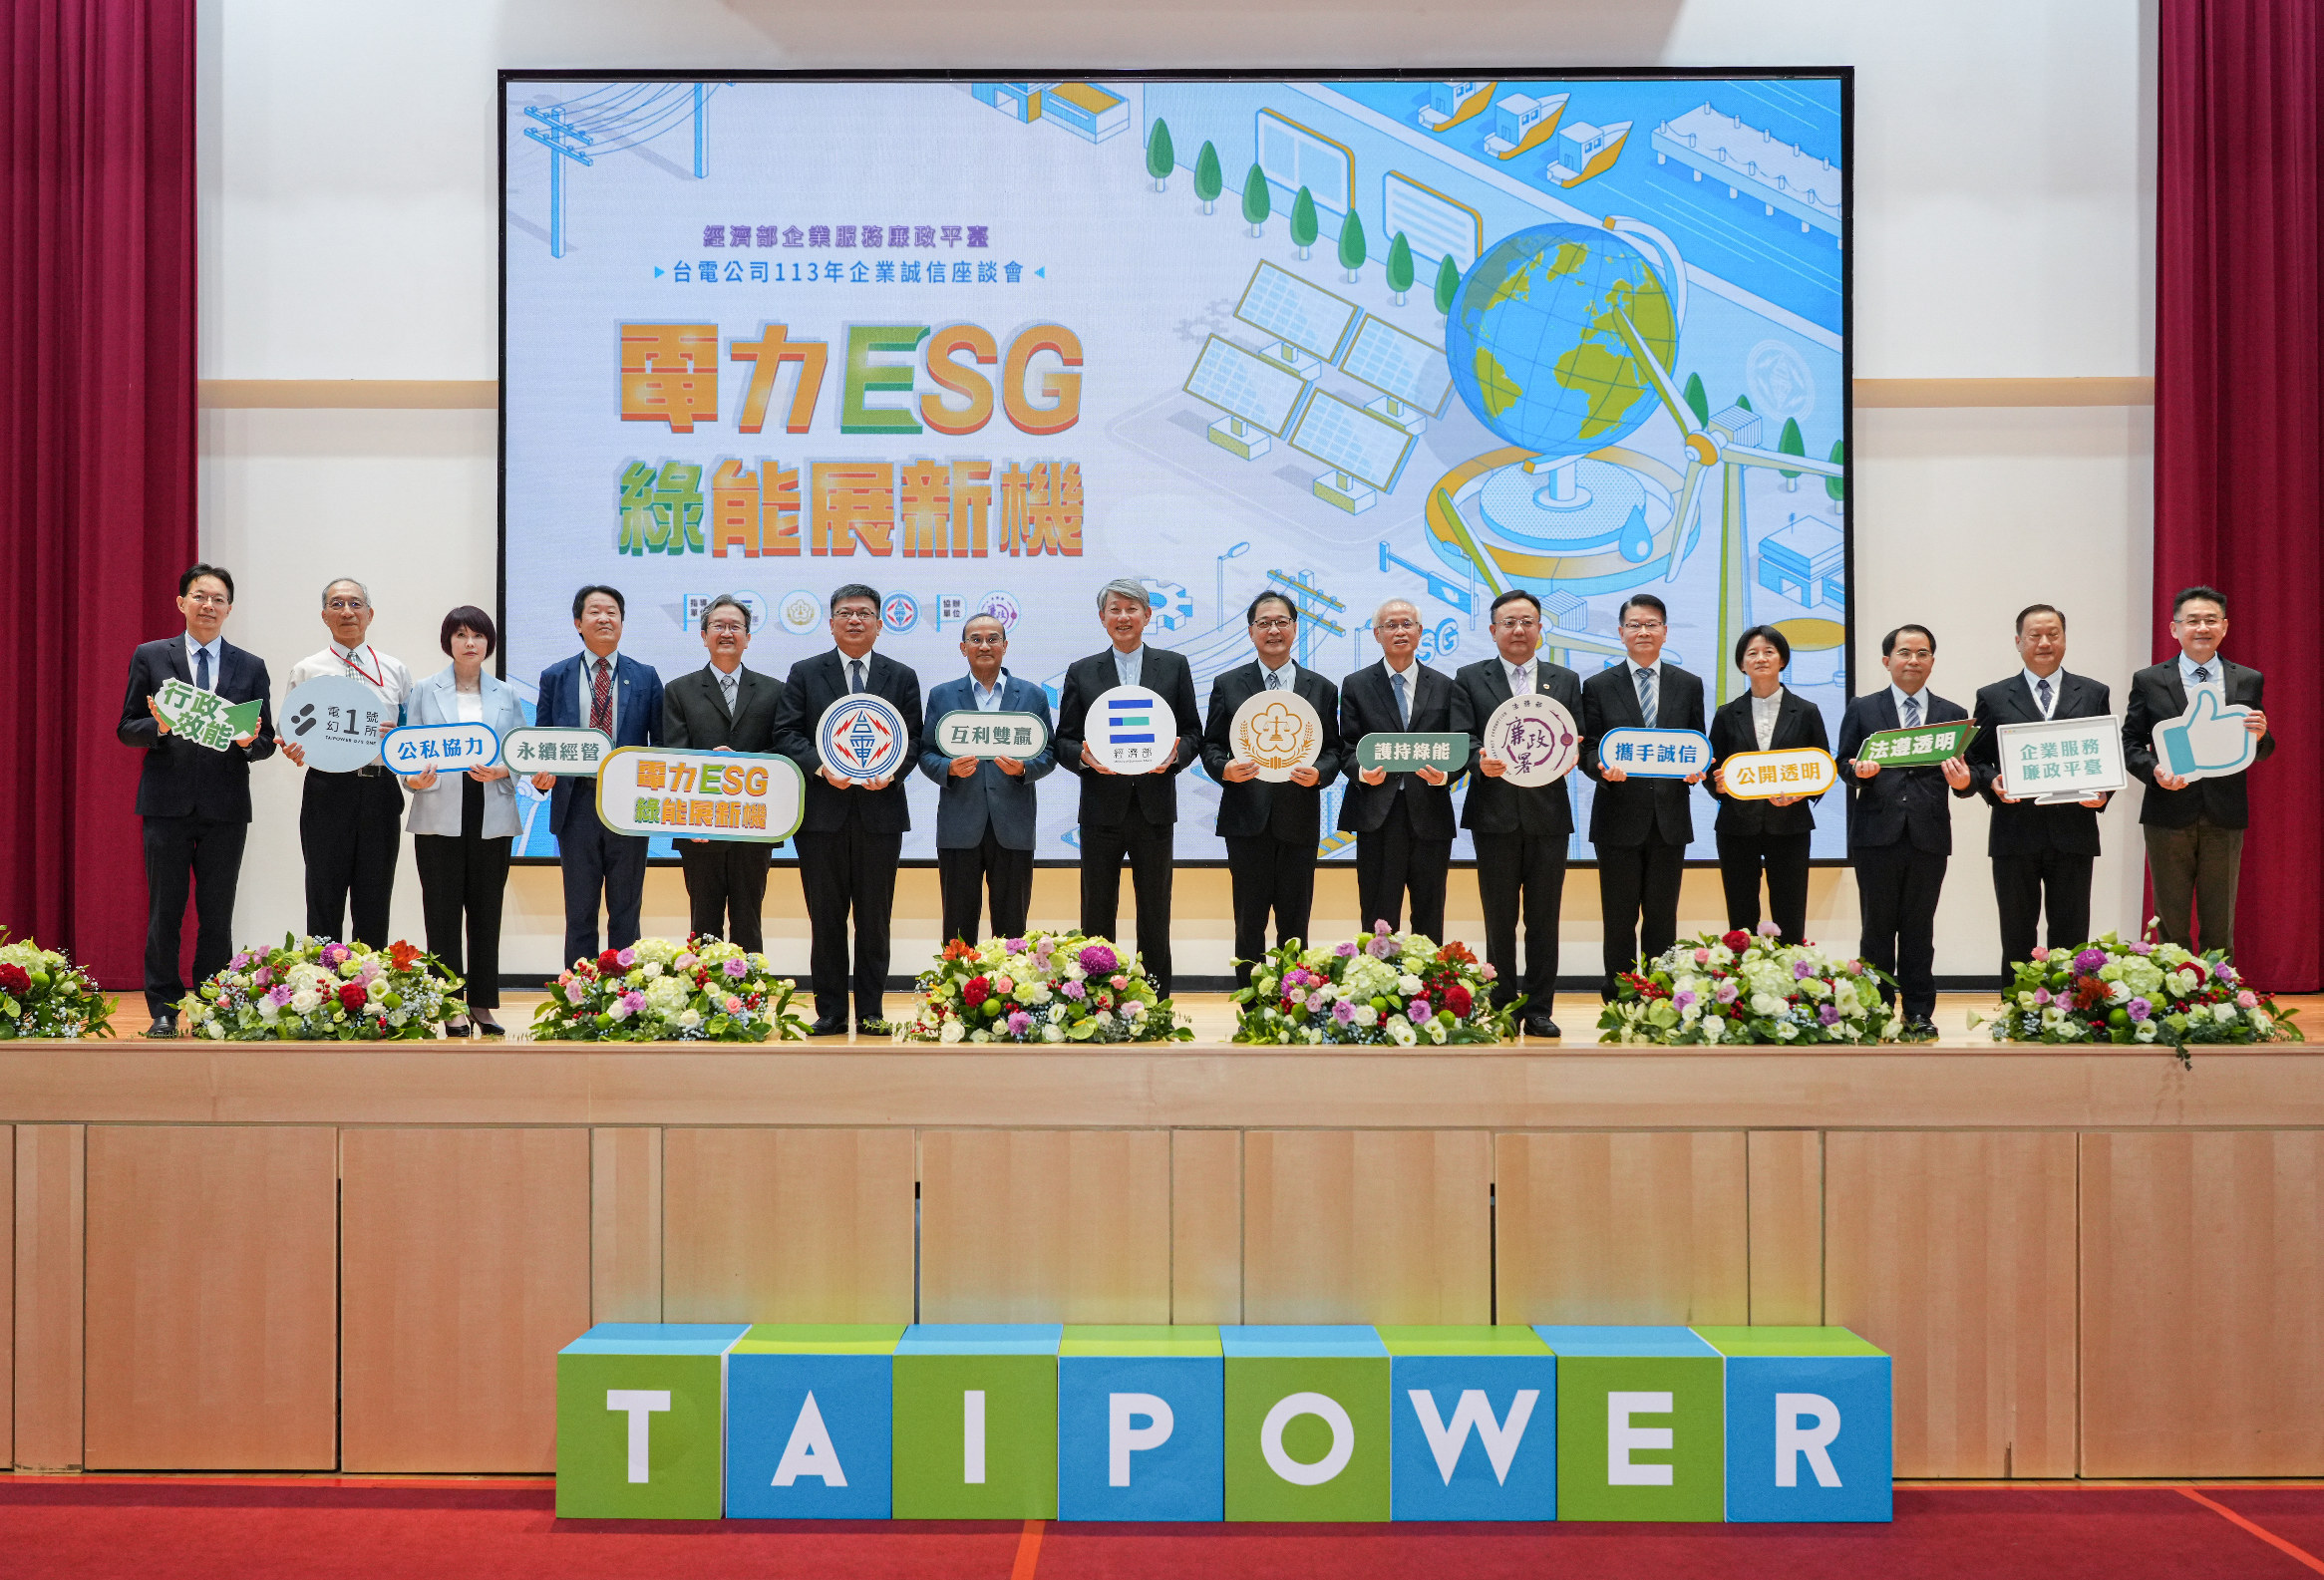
[2203, 672]
[854, 675]
[1272, 684]
[1402, 704]
[2044, 691]
[1912, 713]
[1646, 697]
[201, 669]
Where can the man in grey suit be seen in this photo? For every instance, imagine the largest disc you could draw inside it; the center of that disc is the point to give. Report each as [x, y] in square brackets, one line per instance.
[724, 707]
[986, 807]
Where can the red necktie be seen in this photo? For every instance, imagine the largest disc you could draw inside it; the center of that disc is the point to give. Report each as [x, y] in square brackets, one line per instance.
[601, 699]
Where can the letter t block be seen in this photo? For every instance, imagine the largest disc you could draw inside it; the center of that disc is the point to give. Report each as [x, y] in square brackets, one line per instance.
[639, 1421]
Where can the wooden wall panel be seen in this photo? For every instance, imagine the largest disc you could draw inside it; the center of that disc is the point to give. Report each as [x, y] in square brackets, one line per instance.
[1954, 1252]
[2203, 1304]
[1787, 1228]
[625, 1224]
[1623, 1227]
[212, 1321]
[773, 1225]
[1206, 1226]
[464, 1268]
[50, 1221]
[1045, 1226]
[1367, 1226]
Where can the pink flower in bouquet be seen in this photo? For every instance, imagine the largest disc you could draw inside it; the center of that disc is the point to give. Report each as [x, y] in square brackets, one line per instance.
[1701, 957]
[1680, 1000]
[1004, 986]
[2247, 999]
[2090, 959]
[1015, 946]
[1725, 993]
[1829, 1013]
[1380, 946]
[278, 995]
[1486, 972]
[334, 953]
[736, 966]
[2041, 995]
[1020, 1023]
[1801, 971]
[1769, 930]
[1345, 950]
[734, 1006]
[684, 962]
[1343, 1012]
[2040, 953]
[1074, 990]
[628, 958]
[2142, 948]
[1098, 960]
[1418, 1009]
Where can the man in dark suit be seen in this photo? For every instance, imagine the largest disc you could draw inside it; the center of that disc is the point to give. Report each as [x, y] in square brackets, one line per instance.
[2194, 827]
[1270, 829]
[1640, 828]
[2037, 849]
[1900, 824]
[1403, 820]
[852, 832]
[1128, 814]
[1521, 832]
[598, 688]
[195, 802]
[986, 809]
[724, 707]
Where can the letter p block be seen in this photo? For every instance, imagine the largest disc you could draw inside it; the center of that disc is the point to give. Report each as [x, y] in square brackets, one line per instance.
[1141, 1423]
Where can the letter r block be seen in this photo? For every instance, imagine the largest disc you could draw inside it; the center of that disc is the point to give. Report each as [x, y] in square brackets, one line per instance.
[1307, 1423]
[1475, 1413]
[809, 1422]
[1808, 1425]
[976, 1421]
[640, 1420]
[1141, 1423]
[1641, 1431]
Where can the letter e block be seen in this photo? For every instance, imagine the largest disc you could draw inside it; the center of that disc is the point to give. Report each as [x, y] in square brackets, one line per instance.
[1475, 1413]
[976, 1421]
[1307, 1423]
[1808, 1425]
[1641, 1429]
[809, 1422]
[1141, 1423]
[639, 1421]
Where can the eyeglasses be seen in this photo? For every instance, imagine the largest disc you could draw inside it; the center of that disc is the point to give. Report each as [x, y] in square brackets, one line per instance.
[2199, 622]
[986, 639]
[1278, 624]
[729, 628]
[1642, 625]
[855, 616]
[1399, 625]
[345, 605]
[1516, 623]
[209, 600]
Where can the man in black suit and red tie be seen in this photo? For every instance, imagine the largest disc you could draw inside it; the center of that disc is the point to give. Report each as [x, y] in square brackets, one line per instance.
[1521, 832]
[2194, 828]
[2038, 853]
[1270, 829]
[1640, 828]
[1901, 824]
[1402, 822]
[195, 802]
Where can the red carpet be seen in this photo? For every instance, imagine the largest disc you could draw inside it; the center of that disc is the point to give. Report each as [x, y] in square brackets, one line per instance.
[178, 1529]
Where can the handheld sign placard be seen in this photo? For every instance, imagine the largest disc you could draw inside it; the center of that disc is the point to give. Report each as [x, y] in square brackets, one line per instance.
[1922, 748]
[453, 748]
[966, 732]
[1277, 730]
[561, 750]
[1655, 753]
[1536, 736]
[2062, 760]
[1400, 751]
[203, 717]
[336, 721]
[863, 737]
[645, 790]
[1130, 729]
[2208, 741]
[1795, 770]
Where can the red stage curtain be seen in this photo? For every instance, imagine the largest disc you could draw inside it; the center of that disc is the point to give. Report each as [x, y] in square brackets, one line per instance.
[97, 443]
[2238, 481]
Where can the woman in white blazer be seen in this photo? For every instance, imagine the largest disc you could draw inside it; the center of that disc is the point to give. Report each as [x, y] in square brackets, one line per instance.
[462, 829]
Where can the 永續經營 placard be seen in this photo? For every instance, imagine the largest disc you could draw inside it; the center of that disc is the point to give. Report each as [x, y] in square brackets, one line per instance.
[863, 737]
[1655, 753]
[564, 749]
[1793, 770]
[1401, 752]
[1536, 737]
[1921, 748]
[450, 748]
[1130, 729]
[967, 733]
[1277, 730]
[645, 790]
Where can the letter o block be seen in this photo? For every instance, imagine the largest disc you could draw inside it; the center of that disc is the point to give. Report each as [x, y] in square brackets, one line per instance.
[640, 1420]
[976, 1421]
[1140, 1424]
[1476, 1412]
[1641, 1431]
[1307, 1423]
[1809, 1433]
[809, 1422]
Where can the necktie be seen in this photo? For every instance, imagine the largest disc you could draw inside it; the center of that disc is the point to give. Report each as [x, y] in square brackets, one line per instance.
[2203, 672]
[601, 698]
[2043, 690]
[1646, 697]
[1912, 713]
[1518, 685]
[728, 684]
[1273, 682]
[855, 674]
[1403, 703]
[201, 669]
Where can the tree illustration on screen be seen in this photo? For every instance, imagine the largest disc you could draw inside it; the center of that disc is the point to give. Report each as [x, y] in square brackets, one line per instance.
[1207, 182]
[1698, 402]
[1790, 445]
[1399, 268]
[1447, 283]
[1352, 244]
[1303, 226]
[1160, 158]
[1257, 204]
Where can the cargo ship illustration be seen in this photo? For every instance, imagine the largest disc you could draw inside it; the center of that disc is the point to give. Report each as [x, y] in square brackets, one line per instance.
[1584, 151]
[1452, 103]
[1520, 123]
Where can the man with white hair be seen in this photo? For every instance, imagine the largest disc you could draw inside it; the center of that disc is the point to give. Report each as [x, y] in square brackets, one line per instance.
[1403, 820]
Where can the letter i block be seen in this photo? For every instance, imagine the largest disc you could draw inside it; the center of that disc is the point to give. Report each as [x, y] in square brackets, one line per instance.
[976, 1421]
[640, 1420]
[1141, 1423]
[1808, 1425]
[1476, 1412]
[809, 1422]
[1641, 1430]
[1306, 1423]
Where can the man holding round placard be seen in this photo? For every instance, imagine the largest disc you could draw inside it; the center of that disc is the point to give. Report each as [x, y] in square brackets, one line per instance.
[1402, 820]
[350, 823]
[1269, 819]
[986, 807]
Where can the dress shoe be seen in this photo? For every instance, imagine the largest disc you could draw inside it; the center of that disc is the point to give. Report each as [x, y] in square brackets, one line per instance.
[835, 1025]
[1921, 1029]
[1543, 1027]
[490, 1029]
[164, 1025]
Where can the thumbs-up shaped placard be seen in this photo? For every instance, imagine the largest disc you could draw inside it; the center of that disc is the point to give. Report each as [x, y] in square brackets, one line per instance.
[2208, 741]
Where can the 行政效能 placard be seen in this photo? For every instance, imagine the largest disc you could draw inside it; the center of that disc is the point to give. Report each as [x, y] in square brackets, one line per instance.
[203, 717]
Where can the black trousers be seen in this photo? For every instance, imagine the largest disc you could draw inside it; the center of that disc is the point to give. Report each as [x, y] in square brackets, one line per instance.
[209, 853]
[350, 830]
[2021, 887]
[1392, 861]
[849, 869]
[1638, 893]
[965, 876]
[1784, 858]
[1146, 847]
[726, 888]
[1521, 874]
[465, 877]
[1896, 892]
[1266, 875]
[596, 860]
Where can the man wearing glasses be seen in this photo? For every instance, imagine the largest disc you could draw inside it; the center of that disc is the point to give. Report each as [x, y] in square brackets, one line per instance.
[350, 826]
[1402, 822]
[724, 707]
[986, 807]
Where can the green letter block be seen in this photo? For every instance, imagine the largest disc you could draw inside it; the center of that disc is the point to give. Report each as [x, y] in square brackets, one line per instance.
[1641, 1424]
[640, 1420]
[976, 1421]
[1306, 1423]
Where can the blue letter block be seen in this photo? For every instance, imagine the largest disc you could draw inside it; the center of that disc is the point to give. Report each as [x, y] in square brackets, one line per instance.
[1141, 1423]
[1808, 1425]
[809, 1426]
[1475, 1413]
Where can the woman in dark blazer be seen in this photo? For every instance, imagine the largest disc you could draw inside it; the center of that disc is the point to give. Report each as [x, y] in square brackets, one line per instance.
[1769, 835]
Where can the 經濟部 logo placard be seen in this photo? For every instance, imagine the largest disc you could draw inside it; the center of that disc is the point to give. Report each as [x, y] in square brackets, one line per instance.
[1130, 729]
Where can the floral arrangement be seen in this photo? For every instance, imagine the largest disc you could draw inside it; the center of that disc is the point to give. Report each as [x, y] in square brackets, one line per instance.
[1738, 987]
[321, 990]
[43, 994]
[2109, 991]
[1041, 988]
[663, 990]
[1398, 988]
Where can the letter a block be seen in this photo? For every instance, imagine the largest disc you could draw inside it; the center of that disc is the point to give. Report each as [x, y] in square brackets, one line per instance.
[1641, 1432]
[1476, 1412]
[809, 1422]
[976, 1422]
[1808, 1425]
[1141, 1423]
[639, 1421]
[1306, 1423]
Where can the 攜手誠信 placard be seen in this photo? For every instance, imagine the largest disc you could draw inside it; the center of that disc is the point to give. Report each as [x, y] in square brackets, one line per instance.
[559, 748]
[967, 733]
[863, 737]
[1402, 750]
[645, 790]
[336, 721]
[1277, 730]
[1795, 770]
[1536, 736]
[453, 748]
[2062, 760]
[1130, 729]
[1655, 753]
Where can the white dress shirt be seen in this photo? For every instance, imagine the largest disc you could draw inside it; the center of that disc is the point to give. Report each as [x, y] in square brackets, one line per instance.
[2033, 690]
[1129, 666]
[1764, 713]
[1285, 678]
[1898, 693]
[216, 647]
[1521, 678]
[386, 676]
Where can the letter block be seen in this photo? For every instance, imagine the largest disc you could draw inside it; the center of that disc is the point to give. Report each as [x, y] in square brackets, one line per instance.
[1641, 1432]
[1141, 1423]
[976, 1421]
[640, 1420]
[1475, 1433]
[1809, 1433]
[1307, 1423]
[809, 1422]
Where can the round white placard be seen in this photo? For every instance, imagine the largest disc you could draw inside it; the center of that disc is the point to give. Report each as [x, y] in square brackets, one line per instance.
[1536, 736]
[1130, 728]
[1279, 731]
